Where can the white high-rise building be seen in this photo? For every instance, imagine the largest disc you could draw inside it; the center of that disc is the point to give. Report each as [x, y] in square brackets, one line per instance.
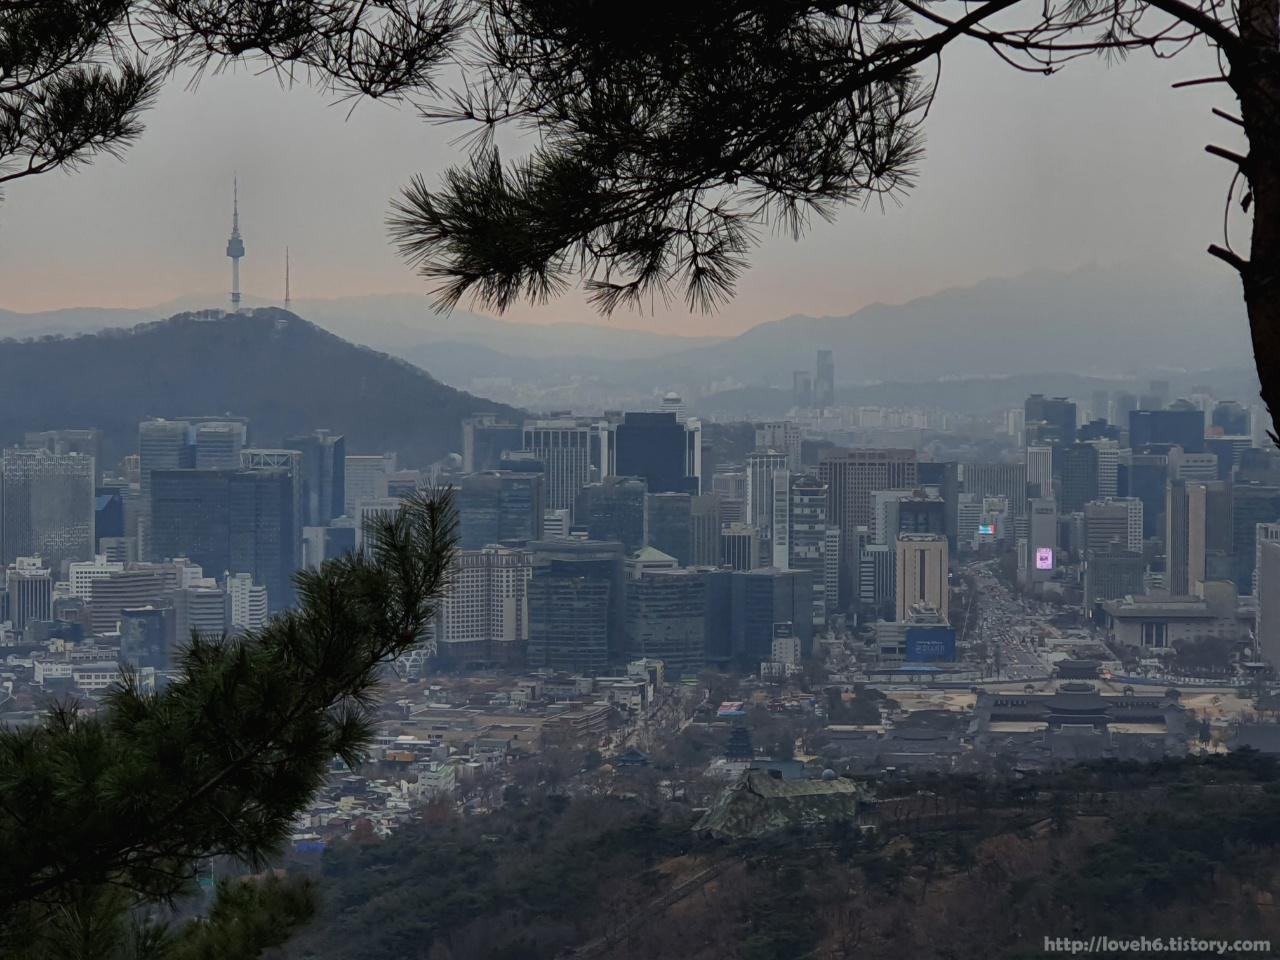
[1040, 469]
[487, 603]
[248, 602]
[762, 467]
[1108, 468]
[564, 447]
[82, 573]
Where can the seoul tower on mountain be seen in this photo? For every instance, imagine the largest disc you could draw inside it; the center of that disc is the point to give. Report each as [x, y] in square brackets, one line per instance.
[235, 246]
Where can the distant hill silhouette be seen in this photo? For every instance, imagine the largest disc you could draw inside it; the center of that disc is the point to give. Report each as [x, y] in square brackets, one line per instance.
[285, 374]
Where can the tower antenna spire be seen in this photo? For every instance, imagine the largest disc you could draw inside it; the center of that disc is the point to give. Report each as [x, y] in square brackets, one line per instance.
[287, 301]
[235, 246]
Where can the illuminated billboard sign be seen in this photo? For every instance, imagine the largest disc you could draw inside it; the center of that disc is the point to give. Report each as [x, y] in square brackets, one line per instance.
[1044, 558]
[986, 529]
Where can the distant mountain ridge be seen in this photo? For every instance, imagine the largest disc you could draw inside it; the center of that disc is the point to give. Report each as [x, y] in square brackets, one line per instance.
[285, 374]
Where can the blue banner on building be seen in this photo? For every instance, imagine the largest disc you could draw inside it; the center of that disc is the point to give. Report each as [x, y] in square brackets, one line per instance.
[931, 644]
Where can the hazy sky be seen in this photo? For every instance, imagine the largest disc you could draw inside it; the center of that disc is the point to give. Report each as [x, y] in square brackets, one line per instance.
[1094, 165]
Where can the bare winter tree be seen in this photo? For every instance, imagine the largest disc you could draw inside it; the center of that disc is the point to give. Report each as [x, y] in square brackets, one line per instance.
[669, 139]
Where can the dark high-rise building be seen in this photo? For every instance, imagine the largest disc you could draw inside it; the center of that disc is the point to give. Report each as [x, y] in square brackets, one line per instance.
[236, 521]
[108, 514]
[1049, 421]
[1180, 425]
[704, 530]
[264, 539]
[802, 389]
[670, 525]
[666, 611]
[1112, 572]
[218, 444]
[486, 439]
[1148, 474]
[1098, 430]
[824, 381]
[499, 507]
[191, 517]
[764, 598]
[1198, 532]
[577, 605]
[324, 481]
[613, 509]
[654, 446]
[1251, 504]
[1231, 419]
[1079, 480]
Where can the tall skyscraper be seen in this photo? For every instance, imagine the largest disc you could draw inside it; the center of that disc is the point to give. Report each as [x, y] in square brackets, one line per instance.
[577, 605]
[922, 573]
[763, 470]
[48, 506]
[191, 517]
[852, 474]
[764, 599]
[1251, 504]
[1078, 464]
[1007, 480]
[1049, 421]
[365, 478]
[1181, 425]
[655, 447]
[802, 536]
[564, 447]
[324, 476]
[1040, 559]
[218, 444]
[670, 525]
[1267, 619]
[500, 506]
[1197, 528]
[824, 381]
[486, 439]
[163, 445]
[666, 619]
[704, 530]
[265, 542]
[237, 521]
[1039, 470]
[613, 509]
[484, 616]
[1114, 520]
